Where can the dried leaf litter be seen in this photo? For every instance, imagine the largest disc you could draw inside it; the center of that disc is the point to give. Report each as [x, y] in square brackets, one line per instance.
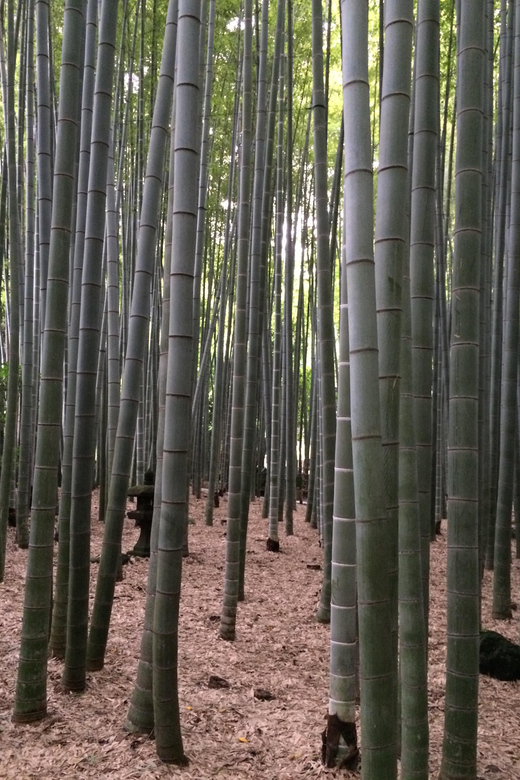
[229, 732]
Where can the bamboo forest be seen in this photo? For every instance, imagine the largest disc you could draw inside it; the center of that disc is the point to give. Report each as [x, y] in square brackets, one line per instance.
[260, 389]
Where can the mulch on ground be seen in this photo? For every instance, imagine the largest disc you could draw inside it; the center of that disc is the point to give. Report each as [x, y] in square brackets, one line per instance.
[228, 732]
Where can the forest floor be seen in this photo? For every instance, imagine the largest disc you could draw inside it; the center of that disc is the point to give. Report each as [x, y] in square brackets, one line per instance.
[280, 647]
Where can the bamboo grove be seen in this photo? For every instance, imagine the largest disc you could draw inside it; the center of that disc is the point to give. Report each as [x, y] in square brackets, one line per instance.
[265, 248]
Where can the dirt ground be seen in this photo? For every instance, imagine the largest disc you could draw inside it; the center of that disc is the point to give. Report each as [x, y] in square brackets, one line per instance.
[280, 647]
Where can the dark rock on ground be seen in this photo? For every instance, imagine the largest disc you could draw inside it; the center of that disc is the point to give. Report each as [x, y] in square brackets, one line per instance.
[262, 695]
[499, 658]
[217, 682]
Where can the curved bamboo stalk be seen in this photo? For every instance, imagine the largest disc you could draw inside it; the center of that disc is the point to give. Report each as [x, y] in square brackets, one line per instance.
[137, 337]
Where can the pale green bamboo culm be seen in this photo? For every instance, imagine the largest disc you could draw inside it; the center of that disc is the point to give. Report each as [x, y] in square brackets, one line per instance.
[390, 255]
[422, 239]
[173, 516]
[377, 681]
[341, 738]
[459, 754]
[140, 714]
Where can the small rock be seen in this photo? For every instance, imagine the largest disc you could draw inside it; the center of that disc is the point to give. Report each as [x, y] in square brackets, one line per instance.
[262, 695]
[217, 682]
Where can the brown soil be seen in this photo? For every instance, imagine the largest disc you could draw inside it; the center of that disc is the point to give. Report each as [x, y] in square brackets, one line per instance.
[280, 648]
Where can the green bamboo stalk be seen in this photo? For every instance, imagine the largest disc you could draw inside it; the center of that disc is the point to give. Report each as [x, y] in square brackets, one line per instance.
[59, 614]
[141, 715]
[11, 414]
[44, 152]
[326, 336]
[137, 336]
[261, 219]
[508, 394]
[173, 516]
[273, 543]
[377, 686]
[290, 412]
[218, 387]
[503, 143]
[84, 444]
[231, 586]
[413, 673]
[27, 416]
[31, 687]
[422, 239]
[485, 299]
[340, 739]
[412, 631]
[461, 707]
[391, 246]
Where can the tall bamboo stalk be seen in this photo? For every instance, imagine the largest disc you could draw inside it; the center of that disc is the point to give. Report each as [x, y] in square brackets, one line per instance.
[31, 688]
[173, 517]
[134, 358]
[461, 708]
[231, 586]
[378, 732]
[326, 336]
